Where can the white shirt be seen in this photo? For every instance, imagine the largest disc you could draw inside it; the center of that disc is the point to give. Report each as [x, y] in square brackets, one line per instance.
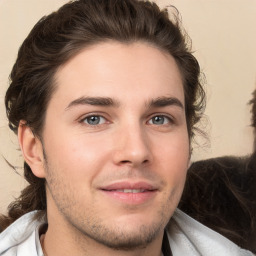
[186, 237]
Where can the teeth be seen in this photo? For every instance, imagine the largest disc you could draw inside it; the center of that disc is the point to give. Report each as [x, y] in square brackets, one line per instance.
[130, 190]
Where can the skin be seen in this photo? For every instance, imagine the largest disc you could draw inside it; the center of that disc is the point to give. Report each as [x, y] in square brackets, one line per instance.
[136, 135]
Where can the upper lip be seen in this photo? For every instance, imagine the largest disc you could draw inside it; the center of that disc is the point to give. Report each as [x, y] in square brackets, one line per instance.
[129, 185]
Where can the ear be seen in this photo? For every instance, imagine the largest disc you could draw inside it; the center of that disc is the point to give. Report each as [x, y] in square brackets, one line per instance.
[32, 149]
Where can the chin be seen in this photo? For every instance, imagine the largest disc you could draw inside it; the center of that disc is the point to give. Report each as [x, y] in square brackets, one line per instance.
[137, 237]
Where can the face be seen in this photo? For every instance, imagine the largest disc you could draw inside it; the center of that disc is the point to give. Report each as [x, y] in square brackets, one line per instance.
[116, 144]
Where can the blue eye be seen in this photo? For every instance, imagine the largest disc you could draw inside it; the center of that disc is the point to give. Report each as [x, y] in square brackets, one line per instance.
[159, 120]
[94, 120]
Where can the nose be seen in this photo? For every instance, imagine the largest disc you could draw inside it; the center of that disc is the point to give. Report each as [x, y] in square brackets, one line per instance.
[132, 147]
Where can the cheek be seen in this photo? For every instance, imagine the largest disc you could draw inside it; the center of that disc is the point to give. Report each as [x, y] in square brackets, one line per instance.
[76, 155]
[173, 159]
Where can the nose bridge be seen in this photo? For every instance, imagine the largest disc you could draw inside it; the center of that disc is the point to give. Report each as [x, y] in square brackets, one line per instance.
[133, 144]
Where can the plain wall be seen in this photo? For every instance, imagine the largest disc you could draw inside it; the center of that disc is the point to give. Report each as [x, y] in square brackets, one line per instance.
[224, 41]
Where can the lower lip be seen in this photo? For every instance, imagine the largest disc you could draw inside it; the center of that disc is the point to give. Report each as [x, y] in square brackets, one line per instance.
[131, 198]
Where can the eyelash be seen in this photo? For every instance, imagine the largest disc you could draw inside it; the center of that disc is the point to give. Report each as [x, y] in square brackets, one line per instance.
[167, 119]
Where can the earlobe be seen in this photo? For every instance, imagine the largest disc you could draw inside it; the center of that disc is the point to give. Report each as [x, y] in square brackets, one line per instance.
[32, 149]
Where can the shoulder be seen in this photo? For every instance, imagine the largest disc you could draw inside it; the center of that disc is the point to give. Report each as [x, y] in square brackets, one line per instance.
[189, 237]
[21, 236]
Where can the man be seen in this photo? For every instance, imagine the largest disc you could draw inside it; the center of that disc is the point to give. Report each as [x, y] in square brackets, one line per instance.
[104, 97]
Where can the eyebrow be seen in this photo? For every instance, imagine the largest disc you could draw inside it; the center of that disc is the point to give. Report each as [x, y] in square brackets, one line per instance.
[94, 101]
[109, 102]
[165, 101]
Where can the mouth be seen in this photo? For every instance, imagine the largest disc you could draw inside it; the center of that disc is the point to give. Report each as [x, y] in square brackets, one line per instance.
[130, 193]
[130, 190]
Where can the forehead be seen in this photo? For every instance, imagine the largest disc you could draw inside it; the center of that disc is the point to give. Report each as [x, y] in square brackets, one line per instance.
[118, 70]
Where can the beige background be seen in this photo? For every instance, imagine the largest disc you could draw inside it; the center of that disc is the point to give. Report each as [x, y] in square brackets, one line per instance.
[224, 41]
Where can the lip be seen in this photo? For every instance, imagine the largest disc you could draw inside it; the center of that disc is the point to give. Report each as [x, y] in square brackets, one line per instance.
[148, 192]
[129, 185]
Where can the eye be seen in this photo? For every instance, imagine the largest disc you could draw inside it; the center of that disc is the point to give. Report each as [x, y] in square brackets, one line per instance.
[94, 120]
[160, 120]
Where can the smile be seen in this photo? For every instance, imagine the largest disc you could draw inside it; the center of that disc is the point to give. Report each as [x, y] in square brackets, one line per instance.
[130, 193]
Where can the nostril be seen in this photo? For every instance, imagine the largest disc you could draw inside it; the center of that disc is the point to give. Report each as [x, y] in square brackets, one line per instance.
[130, 162]
[125, 162]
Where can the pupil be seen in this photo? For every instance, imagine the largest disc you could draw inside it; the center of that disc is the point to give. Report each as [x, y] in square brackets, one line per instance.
[158, 120]
[94, 120]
